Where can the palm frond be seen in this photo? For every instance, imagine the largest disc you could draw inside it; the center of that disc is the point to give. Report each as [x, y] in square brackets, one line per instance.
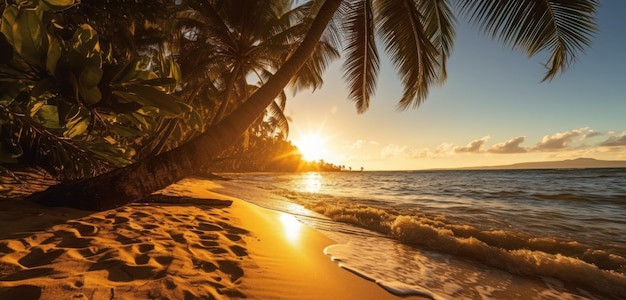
[362, 62]
[310, 75]
[439, 25]
[276, 111]
[562, 27]
[408, 43]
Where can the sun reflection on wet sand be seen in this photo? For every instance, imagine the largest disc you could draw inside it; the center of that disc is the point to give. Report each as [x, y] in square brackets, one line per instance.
[291, 226]
[312, 182]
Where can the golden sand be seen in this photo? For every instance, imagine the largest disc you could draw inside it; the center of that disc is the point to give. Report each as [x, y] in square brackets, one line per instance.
[186, 242]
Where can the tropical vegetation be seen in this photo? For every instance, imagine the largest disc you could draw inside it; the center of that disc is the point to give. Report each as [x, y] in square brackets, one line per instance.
[129, 112]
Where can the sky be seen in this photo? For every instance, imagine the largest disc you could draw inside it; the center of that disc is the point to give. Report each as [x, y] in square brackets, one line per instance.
[493, 109]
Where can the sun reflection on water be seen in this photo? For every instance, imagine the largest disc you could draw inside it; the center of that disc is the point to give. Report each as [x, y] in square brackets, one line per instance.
[311, 182]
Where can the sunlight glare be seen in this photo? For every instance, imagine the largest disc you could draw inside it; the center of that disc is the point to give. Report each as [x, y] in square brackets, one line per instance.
[312, 182]
[312, 146]
[291, 227]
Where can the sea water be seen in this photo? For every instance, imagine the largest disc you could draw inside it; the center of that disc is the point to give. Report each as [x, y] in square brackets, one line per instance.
[497, 234]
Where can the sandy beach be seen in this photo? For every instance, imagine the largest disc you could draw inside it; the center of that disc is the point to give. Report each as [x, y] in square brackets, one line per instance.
[185, 242]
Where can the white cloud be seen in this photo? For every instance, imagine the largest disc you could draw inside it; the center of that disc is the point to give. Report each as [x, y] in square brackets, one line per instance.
[510, 146]
[424, 153]
[445, 148]
[358, 144]
[392, 150]
[591, 134]
[559, 141]
[474, 146]
[615, 141]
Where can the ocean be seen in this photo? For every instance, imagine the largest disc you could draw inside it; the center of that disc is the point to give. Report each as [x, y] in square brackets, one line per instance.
[470, 234]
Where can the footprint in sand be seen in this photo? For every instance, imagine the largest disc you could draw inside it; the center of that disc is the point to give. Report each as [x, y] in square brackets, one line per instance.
[38, 257]
[209, 227]
[232, 268]
[204, 265]
[21, 292]
[209, 243]
[117, 219]
[238, 250]
[126, 240]
[91, 251]
[143, 248]
[84, 229]
[28, 274]
[142, 259]
[178, 237]
[119, 271]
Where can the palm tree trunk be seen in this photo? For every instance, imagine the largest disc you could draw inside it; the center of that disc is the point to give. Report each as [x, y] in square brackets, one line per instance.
[139, 180]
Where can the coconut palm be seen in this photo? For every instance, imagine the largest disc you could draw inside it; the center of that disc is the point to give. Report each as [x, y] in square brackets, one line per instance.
[418, 37]
[222, 46]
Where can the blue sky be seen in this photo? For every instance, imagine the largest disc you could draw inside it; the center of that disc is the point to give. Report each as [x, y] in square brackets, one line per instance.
[493, 109]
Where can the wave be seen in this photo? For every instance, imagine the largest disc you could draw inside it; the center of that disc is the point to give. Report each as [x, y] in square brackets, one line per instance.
[517, 253]
[562, 196]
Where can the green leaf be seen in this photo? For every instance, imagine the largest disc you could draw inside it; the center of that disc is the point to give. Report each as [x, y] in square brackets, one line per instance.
[49, 116]
[76, 126]
[56, 5]
[54, 54]
[9, 91]
[90, 95]
[159, 82]
[167, 104]
[88, 38]
[90, 77]
[28, 37]
[8, 19]
[124, 131]
[34, 108]
[129, 72]
[84, 51]
[140, 120]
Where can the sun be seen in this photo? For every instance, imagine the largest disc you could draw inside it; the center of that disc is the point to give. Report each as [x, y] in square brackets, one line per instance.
[312, 146]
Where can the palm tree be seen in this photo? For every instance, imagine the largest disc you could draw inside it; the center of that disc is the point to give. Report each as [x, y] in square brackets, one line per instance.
[418, 37]
[222, 45]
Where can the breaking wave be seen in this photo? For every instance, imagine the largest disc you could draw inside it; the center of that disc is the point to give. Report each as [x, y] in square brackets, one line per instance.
[514, 252]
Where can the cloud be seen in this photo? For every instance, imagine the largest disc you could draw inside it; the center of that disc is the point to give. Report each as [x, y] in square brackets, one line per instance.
[615, 141]
[510, 146]
[358, 144]
[559, 141]
[473, 147]
[591, 134]
[392, 150]
[559, 144]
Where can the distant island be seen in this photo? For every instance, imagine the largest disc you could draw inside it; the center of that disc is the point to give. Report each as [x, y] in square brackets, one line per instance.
[579, 163]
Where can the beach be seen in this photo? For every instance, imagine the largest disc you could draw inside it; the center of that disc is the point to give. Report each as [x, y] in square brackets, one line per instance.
[185, 242]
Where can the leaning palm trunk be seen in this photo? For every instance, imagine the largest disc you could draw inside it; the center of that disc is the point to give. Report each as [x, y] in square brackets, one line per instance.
[139, 180]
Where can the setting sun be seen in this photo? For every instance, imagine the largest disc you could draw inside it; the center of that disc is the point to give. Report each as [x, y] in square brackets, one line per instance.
[312, 146]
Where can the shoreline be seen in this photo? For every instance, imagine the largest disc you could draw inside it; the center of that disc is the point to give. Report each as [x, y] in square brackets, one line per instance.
[178, 248]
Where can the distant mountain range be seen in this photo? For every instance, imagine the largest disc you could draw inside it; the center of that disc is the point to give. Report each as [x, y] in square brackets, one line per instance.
[579, 163]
